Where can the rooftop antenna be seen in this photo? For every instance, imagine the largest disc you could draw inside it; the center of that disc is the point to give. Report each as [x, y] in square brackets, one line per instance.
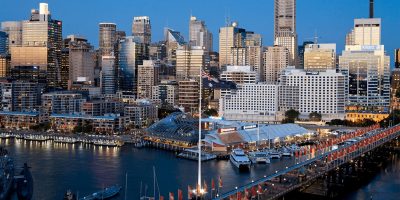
[371, 8]
[316, 36]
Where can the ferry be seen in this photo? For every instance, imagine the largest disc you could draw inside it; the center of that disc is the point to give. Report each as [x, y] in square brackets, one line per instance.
[108, 143]
[39, 138]
[193, 154]
[259, 157]
[106, 193]
[65, 140]
[240, 159]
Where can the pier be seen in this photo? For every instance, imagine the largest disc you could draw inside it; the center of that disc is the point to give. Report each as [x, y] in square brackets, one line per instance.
[311, 165]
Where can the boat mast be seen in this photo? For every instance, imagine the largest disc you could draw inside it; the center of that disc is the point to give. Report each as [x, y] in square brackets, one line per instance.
[126, 184]
[154, 183]
[199, 142]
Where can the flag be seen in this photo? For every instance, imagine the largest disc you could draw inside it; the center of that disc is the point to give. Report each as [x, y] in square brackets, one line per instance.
[171, 196]
[253, 192]
[246, 192]
[260, 190]
[212, 184]
[220, 182]
[180, 195]
[161, 197]
[205, 186]
[190, 192]
[239, 196]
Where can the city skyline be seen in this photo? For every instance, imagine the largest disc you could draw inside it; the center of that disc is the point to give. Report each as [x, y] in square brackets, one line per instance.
[215, 16]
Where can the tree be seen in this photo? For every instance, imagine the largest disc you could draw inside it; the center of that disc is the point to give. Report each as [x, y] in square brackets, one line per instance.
[211, 112]
[292, 114]
[314, 116]
[367, 122]
[336, 122]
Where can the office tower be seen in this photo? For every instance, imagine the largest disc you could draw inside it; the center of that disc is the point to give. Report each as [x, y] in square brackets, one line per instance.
[82, 59]
[319, 57]
[397, 58]
[20, 96]
[276, 59]
[41, 45]
[307, 92]
[61, 103]
[3, 43]
[300, 50]
[199, 34]
[157, 51]
[14, 31]
[4, 65]
[231, 44]
[107, 38]
[189, 60]
[141, 28]
[254, 51]
[368, 69]
[147, 78]
[240, 74]
[189, 95]
[28, 73]
[130, 52]
[395, 86]
[173, 41]
[108, 75]
[285, 27]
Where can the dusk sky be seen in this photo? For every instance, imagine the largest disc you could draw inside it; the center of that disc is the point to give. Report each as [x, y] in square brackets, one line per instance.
[330, 19]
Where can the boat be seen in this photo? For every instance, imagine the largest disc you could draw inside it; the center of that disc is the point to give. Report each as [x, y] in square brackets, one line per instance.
[39, 138]
[65, 140]
[240, 159]
[6, 174]
[259, 157]
[275, 154]
[24, 184]
[106, 193]
[286, 152]
[69, 195]
[5, 135]
[193, 154]
[108, 143]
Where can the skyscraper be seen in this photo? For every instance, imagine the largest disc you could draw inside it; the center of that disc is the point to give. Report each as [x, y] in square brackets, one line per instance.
[141, 28]
[82, 60]
[107, 38]
[130, 52]
[189, 60]
[231, 44]
[397, 58]
[14, 31]
[108, 75]
[276, 59]
[3, 42]
[285, 27]
[320, 57]
[199, 34]
[147, 78]
[41, 44]
[173, 41]
[254, 51]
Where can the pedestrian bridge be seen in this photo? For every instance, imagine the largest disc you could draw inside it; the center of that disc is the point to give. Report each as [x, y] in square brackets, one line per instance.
[313, 163]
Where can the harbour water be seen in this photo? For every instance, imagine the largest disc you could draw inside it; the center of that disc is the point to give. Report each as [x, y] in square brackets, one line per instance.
[87, 168]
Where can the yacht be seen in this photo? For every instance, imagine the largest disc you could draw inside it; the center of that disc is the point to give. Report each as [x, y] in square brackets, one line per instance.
[275, 154]
[259, 157]
[240, 159]
[286, 152]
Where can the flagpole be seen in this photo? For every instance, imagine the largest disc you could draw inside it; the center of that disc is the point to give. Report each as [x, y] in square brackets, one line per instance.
[199, 142]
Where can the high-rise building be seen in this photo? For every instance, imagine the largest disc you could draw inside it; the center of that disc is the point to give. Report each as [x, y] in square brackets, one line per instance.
[20, 96]
[41, 45]
[307, 92]
[141, 29]
[4, 65]
[276, 59]
[130, 55]
[285, 27]
[147, 78]
[107, 38]
[3, 43]
[189, 60]
[232, 47]
[301, 50]
[199, 34]
[166, 93]
[108, 75]
[320, 57]
[173, 41]
[14, 31]
[368, 69]
[62, 103]
[189, 95]
[254, 51]
[394, 90]
[82, 60]
[397, 58]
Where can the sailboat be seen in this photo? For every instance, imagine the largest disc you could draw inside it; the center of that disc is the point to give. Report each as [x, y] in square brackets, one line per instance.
[155, 185]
